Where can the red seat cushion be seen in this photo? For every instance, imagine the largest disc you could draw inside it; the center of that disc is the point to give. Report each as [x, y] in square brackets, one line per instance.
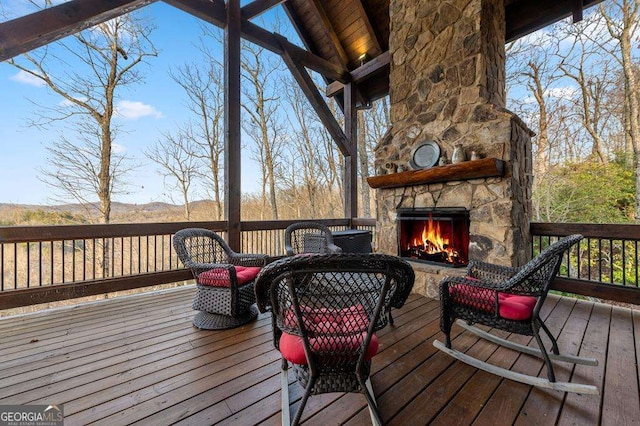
[219, 277]
[292, 346]
[510, 306]
[338, 331]
[323, 320]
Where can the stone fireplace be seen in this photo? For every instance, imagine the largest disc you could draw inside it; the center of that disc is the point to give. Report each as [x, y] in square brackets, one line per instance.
[447, 85]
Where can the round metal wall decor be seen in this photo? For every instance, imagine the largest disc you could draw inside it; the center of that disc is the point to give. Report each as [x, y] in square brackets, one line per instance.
[424, 155]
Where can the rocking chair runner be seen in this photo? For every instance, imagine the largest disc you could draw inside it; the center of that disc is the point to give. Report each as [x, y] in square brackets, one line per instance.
[325, 311]
[508, 299]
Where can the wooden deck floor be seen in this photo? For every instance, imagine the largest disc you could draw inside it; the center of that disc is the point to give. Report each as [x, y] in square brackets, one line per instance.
[139, 360]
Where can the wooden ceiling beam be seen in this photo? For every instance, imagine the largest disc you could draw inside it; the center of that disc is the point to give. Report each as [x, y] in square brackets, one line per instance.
[526, 16]
[257, 7]
[576, 7]
[360, 74]
[330, 32]
[214, 13]
[375, 36]
[29, 32]
[314, 97]
[211, 11]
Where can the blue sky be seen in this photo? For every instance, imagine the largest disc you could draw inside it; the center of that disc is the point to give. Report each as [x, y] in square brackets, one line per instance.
[148, 109]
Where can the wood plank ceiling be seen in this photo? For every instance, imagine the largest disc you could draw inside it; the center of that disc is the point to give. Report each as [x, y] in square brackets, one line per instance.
[351, 33]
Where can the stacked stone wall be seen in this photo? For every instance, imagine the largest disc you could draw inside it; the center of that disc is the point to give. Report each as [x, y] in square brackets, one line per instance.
[447, 84]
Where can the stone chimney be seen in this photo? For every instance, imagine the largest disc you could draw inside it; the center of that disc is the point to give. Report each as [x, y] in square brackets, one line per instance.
[447, 84]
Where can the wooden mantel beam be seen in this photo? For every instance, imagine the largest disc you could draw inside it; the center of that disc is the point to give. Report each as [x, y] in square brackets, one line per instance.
[214, 12]
[29, 32]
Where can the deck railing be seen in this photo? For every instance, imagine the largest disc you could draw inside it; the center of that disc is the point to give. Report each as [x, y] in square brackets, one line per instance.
[41, 264]
[605, 264]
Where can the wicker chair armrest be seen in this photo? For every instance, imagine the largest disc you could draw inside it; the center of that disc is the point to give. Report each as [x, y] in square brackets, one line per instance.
[197, 267]
[490, 272]
[241, 259]
[450, 281]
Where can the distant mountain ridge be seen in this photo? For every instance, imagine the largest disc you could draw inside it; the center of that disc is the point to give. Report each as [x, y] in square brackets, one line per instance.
[38, 214]
[76, 208]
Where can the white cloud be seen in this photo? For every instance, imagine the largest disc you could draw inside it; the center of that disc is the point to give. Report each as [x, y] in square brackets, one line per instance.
[118, 149]
[132, 110]
[24, 77]
[567, 92]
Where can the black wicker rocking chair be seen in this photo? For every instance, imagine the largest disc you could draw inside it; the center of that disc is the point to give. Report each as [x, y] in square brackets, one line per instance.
[224, 278]
[309, 237]
[508, 299]
[325, 311]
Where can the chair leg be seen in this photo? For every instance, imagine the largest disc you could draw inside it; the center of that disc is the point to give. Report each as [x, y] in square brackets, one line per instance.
[371, 402]
[390, 317]
[550, 374]
[554, 343]
[445, 327]
[303, 402]
[284, 379]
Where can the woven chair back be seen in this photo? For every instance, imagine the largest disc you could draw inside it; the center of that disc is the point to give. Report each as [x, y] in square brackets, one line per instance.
[534, 278]
[334, 302]
[307, 237]
[197, 245]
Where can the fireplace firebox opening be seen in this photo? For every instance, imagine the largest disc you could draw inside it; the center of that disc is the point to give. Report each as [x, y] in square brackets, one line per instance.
[438, 236]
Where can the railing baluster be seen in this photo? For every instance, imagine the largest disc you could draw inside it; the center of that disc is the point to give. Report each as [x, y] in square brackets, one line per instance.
[1, 266]
[15, 262]
[624, 263]
[611, 261]
[636, 261]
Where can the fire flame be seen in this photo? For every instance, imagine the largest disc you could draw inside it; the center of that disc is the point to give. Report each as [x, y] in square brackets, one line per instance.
[431, 238]
[431, 241]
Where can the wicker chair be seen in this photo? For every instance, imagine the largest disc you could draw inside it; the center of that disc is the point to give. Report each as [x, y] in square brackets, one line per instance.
[309, 237]
[224, 279]
[508, 299]
[325, 310]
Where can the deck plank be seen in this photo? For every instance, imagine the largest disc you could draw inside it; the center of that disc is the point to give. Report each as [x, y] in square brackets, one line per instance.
[620, 401]
[585, 409]
[139, 360]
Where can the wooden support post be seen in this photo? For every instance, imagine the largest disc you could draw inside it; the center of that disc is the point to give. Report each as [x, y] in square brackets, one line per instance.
[351, 162]
[232, 173]
[576, 10]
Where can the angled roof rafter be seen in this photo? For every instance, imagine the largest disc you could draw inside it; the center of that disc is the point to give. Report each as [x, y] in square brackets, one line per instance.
[29, 32]
[212, 12]
[314, 97]
[257, 7]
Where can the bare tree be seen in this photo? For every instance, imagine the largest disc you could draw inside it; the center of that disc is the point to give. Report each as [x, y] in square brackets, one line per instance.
[306, 155]
[177, 163]
[263, 118]
[373, 123]
[88, 73]
[534, 71]
[585, 64]
[622, 18]
[204, 88]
